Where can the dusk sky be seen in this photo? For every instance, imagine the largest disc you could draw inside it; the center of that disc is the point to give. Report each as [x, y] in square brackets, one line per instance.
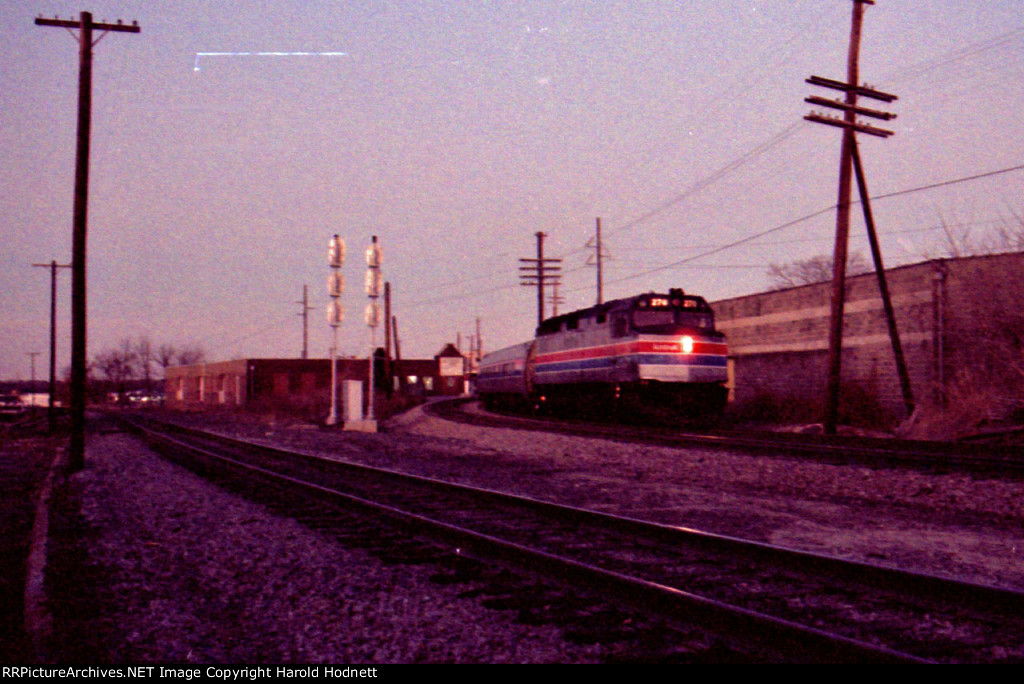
[454, 131]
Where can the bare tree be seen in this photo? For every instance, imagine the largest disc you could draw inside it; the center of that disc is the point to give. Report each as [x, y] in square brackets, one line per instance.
[144, 359]
[188, 356]
[118, 366]
[817, 269]
[1008, 236]
[132, 360]
[168, 355]
[165, 356]
[962, 240]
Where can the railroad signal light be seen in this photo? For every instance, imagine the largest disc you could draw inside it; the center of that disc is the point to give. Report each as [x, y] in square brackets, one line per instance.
[373, 283]
[335, 284]
[336, 252]
[335, 313]
[373, 254]
[372, 314]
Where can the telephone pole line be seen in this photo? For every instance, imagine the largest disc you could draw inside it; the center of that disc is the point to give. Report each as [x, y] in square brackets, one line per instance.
[479, 343]
[389, 367]
[555, 298]
[306, 308]
[32, 391]
[835, 335]
[849, 158]
[51, 413]
[539, 271]
[85, 26]
[598, 260]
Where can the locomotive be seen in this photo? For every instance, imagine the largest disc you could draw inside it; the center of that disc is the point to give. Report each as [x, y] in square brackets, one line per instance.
[652, 349]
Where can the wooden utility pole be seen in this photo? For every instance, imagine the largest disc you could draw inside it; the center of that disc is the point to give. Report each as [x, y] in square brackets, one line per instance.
[402, 384]
[306, 308]
[556, 298]
[539, 271]
[51, 412]
[883, 285]
[388, 371]
[850, 126]
[479, 340]
[32, 391]
[600, 260]
[85, 26]
[835, 330]
[597, 259]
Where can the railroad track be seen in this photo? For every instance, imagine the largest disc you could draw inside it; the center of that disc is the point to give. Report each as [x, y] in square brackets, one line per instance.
[987, 460]
[773, 603]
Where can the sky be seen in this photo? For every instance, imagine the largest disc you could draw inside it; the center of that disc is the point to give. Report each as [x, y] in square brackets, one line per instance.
[454, 131]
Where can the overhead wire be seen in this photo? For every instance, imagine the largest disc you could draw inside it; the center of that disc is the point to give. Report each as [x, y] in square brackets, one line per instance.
[771, 58]
[994, 46]
[719, 101]
[807, 217]
[911, 73]
[922, 68]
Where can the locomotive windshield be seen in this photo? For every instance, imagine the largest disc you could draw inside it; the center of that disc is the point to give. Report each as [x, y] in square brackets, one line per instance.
[661, 314]
[651, 313]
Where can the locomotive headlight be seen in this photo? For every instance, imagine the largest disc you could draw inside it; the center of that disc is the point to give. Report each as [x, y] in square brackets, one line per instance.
[687, 344]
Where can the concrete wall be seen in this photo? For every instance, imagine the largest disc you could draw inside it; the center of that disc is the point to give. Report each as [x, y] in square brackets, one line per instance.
[778, 341]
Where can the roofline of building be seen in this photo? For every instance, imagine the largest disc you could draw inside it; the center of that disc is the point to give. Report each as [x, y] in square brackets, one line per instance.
[871, 273]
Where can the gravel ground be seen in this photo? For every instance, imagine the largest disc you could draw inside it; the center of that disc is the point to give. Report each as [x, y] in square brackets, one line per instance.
[24, 464]
[181, 571]
[956, 525]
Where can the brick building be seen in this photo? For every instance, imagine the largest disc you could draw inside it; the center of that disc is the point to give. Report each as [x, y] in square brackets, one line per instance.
[297, 383]
[959, 321]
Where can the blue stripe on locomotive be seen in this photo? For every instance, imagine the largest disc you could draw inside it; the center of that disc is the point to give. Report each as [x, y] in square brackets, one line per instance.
[608, 362]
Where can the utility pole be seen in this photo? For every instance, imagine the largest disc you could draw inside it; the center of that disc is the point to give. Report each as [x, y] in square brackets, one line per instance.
[306, 308]
[51, 412]
[538, 271]
[387, 339]
[850, 126]
[597, 260]
[85, 26]
[556, 298]
[883, 286]
[32, 391]
[479, 343]
[402, 378]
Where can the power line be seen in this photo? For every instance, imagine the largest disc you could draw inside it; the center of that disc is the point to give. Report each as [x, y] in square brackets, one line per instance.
[927, 66]
[782, 55]
[807, 217]
[703, 183]
[909, 73]
[951, 182]
[715, 249]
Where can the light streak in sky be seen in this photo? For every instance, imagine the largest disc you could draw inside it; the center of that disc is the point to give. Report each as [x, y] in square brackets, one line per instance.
[266, 54]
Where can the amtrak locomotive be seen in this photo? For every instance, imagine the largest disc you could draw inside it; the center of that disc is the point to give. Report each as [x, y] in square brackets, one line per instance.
[652, 349]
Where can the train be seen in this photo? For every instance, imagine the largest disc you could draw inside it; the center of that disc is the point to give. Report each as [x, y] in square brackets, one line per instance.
[649, 350]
